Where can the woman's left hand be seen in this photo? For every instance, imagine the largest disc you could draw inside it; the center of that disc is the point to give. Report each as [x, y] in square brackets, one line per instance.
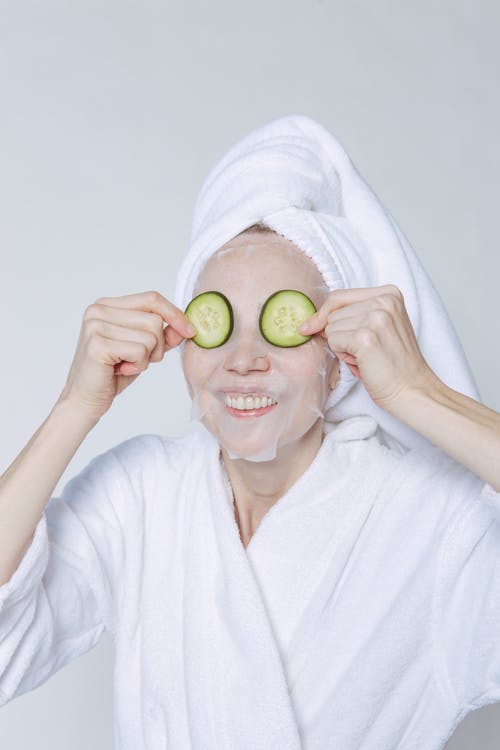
[369, 329]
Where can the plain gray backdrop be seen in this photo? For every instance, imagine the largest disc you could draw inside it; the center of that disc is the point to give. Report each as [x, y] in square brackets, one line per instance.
[112, 114]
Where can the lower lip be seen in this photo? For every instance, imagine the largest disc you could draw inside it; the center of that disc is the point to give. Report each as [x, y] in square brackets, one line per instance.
[244, 414]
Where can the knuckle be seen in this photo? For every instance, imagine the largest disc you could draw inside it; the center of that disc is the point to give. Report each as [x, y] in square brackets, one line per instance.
[157, 321]
[143, 353]
[152, 296]
[155, 324]
[90, 311]
[92, 326]
[387, 302]
[379, 318]
[96, 345]
[367, 338]
[151, 340]
[157, 357]
[395, 290]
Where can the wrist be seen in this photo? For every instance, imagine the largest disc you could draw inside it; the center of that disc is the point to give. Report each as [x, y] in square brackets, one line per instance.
[428, 389]
[70, 408]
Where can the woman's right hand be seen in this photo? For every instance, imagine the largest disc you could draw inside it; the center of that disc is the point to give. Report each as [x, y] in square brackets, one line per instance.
[119, 337]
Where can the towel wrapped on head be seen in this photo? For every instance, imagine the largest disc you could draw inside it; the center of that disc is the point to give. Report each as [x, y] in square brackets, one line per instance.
[293, 176]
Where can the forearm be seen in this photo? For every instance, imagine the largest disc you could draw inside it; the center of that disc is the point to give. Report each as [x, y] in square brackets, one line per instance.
[462, 427]
[27, 484]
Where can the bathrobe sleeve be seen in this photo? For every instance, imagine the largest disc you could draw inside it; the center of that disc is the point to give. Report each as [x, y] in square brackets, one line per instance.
[65, 589]
[466, 613]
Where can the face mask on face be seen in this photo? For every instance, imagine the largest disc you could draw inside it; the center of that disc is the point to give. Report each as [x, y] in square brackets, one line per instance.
[256, 383]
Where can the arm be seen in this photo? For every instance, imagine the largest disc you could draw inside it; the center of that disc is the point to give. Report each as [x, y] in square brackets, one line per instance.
[70, 582]
[466, 600]
[63, 560]
[25, 487]
[466, 430]
[369, 329]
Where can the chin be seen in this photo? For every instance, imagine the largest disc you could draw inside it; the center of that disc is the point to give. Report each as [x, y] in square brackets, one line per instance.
[261, 454]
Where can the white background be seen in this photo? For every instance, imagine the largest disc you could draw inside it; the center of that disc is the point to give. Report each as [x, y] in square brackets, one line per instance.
[112, 114]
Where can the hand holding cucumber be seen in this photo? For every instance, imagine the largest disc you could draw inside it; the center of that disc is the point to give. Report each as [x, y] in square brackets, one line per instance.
[369, 329]
[119, 338]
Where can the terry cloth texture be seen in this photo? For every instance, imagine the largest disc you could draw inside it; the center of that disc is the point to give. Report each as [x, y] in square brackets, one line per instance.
[295, 177]
[362, 614]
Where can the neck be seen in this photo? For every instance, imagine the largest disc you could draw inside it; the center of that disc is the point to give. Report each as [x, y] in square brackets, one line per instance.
[258, 485]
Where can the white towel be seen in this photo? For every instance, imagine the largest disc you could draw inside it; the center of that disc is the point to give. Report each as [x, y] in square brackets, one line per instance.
[295, 177]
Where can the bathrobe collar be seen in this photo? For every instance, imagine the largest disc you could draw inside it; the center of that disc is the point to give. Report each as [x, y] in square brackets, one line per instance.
[246, 618]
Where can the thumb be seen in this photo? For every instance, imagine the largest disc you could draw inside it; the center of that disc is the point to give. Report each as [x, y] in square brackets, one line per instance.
[172, 337]
[315, 323]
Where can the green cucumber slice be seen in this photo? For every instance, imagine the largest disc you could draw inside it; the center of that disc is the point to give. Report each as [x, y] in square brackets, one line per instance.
[282, 313]
[212, 316]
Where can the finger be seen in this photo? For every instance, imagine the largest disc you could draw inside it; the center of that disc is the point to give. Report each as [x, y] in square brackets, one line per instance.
[112, 332]
[131, 320]
[348, 342]
[153, 301]
[115, 352]
[172, 337]
[354, 369]
[358, 309]
[347, 323]
[127, 368]
[339, 298]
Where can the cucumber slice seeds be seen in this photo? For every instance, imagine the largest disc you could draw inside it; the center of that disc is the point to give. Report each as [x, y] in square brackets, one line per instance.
[282, 313]
[212, 316]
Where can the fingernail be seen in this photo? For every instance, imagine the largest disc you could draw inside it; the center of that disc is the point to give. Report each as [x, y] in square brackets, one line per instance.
[191, 330]
[304, 327]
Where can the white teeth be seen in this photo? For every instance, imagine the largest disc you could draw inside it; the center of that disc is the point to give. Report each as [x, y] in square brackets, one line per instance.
[249, 402]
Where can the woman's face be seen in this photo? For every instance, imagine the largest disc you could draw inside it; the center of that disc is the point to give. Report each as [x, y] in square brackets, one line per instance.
[247, 270]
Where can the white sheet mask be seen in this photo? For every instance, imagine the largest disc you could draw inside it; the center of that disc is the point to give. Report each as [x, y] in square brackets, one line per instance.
[297, 377]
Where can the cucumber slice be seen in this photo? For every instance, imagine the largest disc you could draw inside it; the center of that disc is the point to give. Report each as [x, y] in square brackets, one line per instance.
[212, 316]
[282, 313]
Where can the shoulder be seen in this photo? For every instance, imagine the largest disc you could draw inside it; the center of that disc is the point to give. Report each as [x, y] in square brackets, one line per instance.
[456, 490]
[436, 466]
[148, 452]
[423, 477]
[133, 463]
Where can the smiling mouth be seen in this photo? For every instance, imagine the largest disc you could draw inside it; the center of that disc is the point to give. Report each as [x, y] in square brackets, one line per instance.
[242, 401]
[246, 413]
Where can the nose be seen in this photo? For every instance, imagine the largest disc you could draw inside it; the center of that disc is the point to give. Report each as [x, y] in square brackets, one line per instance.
[246, 353]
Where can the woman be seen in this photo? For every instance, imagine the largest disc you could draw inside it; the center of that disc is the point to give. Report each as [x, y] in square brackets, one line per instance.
[321, 573]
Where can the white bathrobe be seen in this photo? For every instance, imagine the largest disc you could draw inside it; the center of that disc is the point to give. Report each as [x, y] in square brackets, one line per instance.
[364, 613]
